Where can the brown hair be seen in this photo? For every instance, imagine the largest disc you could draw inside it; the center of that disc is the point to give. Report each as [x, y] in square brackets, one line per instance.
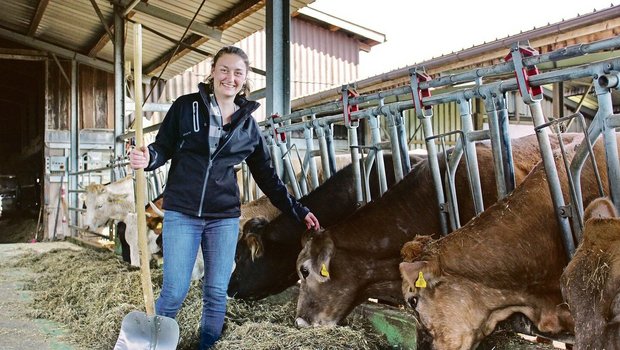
[245, 90]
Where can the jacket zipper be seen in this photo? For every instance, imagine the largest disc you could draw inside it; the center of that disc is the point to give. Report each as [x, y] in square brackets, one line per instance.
[217, 151]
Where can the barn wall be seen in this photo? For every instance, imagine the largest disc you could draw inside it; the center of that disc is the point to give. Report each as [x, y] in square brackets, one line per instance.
[96, 125]
[95, 94]
[320, 60]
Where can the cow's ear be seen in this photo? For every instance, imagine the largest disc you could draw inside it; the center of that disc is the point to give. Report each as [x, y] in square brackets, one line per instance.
[600, 208]
[309, 234]
[322, 251]
[255, 225]
[412, 249]
[255, 244]
[417, 274]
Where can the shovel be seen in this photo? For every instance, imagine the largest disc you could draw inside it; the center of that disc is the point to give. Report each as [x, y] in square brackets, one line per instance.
[141, 330]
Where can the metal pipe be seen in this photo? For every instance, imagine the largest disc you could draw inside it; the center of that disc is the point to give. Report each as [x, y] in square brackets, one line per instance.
[467, 126]
[611, 145]
[496, 143]
[288, 167]
[396, 155]
[309, 151]
[506, 145]
[375, 135]
[320, 135]
[402, 142]
[553, 179]
[355, 162]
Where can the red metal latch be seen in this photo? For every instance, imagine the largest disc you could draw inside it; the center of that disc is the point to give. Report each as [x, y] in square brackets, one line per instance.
[279, 137]
[347, 109]
[523, 73]
[419, 94]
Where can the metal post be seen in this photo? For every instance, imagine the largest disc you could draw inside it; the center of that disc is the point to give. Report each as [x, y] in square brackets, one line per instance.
[506, 145]
[119, 85]
[375, 134]
[309, 151]
[496, 142]
[75, 144]
[396, 155]
[469, 147]
[278, 55]
[320, 135]
[611, 146]
[532, 97]
[425, 113]
[402, 142]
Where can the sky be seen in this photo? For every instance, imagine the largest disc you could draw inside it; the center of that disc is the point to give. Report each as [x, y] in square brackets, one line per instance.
[417, 31]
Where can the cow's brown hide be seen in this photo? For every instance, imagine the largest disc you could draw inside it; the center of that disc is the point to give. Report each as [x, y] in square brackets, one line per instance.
[591, 281]
[366, 247]
[508, 260]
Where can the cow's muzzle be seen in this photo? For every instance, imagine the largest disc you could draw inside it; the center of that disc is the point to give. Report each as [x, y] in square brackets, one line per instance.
[301, 323]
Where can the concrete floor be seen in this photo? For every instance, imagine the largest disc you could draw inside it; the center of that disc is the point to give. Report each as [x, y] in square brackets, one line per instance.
[18, 331]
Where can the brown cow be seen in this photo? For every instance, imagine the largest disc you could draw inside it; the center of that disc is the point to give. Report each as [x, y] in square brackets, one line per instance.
[508, 260]
[266, 253]
[358, 258]
[591, 281]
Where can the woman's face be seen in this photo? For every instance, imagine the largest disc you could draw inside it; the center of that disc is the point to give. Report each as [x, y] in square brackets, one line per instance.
[229, 74]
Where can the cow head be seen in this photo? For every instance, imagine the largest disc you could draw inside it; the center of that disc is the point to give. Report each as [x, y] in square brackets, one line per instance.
[591, 281]
[328, 281]
[263, 263]
[105, 203]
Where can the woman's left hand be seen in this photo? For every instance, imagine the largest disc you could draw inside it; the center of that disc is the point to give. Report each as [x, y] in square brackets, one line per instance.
[312, 222]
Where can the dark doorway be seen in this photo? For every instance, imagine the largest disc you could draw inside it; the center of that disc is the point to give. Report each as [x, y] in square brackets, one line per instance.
[22, 116]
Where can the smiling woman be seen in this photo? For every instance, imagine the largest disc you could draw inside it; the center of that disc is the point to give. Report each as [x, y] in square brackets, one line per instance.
[206, 134]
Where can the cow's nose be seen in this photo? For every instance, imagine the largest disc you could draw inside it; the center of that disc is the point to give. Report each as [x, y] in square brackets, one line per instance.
[301, 323]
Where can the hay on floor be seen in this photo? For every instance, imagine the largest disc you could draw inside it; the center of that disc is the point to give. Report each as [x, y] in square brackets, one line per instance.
[91, 292]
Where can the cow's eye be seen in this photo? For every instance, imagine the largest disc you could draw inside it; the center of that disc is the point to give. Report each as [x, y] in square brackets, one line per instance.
[304, 271]
[99, 206]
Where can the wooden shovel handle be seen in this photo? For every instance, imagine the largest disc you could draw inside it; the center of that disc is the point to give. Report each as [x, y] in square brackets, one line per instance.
[140, 188]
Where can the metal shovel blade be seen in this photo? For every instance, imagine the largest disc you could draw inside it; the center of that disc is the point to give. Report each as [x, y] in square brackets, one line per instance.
[140, 331]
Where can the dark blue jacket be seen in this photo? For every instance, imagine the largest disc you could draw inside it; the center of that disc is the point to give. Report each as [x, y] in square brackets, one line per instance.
[203, 184]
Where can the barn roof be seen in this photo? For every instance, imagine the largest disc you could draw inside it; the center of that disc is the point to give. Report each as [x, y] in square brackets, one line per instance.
[81, 29]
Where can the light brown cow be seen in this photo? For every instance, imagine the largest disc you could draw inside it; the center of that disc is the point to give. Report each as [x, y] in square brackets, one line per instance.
[358, 258]
[508, 260]
[591, 281]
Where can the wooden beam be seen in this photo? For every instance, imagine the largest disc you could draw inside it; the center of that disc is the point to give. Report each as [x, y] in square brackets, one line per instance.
[222, 22]
[183, 44]
[236, 13]
[192, 41]
[101, 43]
[38, 15]
[196, 27]
[104, 38]
[102, 20]
[22, 54]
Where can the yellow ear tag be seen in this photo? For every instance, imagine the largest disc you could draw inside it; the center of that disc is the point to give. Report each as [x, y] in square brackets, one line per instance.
[420, 282]
[324, 271]
[159, 225]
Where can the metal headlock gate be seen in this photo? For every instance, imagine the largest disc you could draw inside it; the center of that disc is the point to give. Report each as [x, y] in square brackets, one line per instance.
[520, 61]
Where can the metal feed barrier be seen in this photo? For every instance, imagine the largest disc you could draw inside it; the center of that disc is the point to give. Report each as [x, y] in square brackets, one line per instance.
[521, 61]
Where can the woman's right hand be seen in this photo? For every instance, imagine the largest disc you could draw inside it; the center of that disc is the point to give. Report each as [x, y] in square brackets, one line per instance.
[139, 158]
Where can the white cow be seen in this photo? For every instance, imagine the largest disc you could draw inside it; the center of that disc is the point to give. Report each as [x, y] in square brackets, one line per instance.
[1, 205]
[116, 202]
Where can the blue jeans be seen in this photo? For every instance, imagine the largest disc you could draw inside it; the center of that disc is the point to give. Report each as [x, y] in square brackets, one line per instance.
[182, 236]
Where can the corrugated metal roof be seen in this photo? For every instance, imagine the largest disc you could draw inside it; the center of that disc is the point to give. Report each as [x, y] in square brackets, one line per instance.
[75, 25]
